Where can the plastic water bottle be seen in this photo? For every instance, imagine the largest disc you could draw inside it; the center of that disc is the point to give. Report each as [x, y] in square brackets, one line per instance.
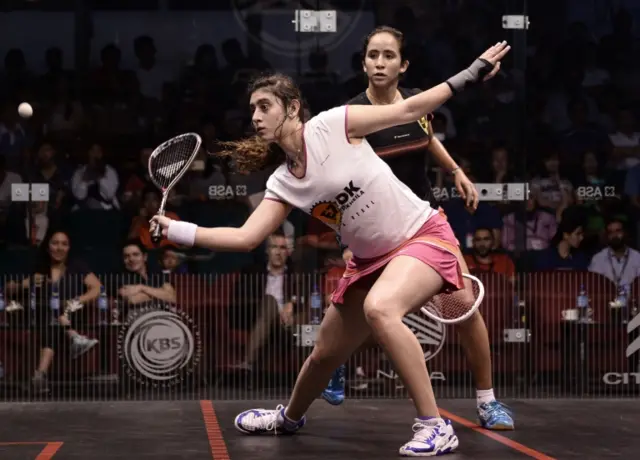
[33, 301]
[103, 306]
[623, 298]
[54, 302]
[582, 302]
[316, 305]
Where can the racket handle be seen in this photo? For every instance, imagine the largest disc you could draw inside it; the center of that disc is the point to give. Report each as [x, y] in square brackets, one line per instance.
[156, 236]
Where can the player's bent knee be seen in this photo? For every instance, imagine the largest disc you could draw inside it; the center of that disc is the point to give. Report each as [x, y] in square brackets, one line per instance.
[380, 309]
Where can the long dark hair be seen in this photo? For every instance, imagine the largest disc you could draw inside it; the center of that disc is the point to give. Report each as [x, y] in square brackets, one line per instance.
[253, 153]
[43, 261]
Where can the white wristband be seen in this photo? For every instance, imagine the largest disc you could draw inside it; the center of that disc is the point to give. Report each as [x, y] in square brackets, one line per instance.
[183, 233]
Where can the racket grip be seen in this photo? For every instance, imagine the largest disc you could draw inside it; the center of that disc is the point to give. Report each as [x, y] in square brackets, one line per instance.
[156, 236]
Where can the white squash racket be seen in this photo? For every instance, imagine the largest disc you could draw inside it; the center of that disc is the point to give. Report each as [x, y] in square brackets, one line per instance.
[457, 306]
[167, 164]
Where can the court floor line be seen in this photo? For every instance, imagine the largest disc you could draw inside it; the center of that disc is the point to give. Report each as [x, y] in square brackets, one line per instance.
[214, 433]
[496, 437]
[47, 453]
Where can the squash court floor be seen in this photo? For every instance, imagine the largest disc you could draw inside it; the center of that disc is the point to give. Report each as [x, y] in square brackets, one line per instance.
[359, 429]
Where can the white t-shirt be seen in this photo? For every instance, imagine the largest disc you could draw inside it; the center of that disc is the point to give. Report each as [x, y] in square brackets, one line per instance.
[349, 188]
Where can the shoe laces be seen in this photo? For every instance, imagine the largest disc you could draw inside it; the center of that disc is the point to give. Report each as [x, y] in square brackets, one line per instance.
[493, 407]
[267, 420]
[424, 432]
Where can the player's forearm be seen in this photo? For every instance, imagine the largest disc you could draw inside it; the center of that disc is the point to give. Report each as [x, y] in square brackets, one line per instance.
[218, 239]
[427, 101]
[224, 239]
[441, 155]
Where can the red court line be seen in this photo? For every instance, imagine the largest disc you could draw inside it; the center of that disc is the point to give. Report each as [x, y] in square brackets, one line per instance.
[47, 453]
[216, 441]
[496, 437]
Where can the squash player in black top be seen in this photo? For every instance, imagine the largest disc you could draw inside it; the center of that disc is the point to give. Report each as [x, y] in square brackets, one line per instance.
[405, 149]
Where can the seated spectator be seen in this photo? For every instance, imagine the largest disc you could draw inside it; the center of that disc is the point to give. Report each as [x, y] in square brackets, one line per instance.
[540, 227]
[618, 262]
[136, 286]
[56, 278]
[172, 261]
[66, 114]
[484, 258]
[564, 252]
[582, 134]
[626, 139]
[274, 296]
[51, 169]
[13, 136]
[94, 185]
[137, 181]
[553, 192]
[140, 224]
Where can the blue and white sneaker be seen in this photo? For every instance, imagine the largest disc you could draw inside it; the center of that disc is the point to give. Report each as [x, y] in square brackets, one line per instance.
[431, 437]
[495, 416]
[261, 421]
[334, 393]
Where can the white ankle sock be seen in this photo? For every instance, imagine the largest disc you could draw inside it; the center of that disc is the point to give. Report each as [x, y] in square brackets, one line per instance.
[484, 396]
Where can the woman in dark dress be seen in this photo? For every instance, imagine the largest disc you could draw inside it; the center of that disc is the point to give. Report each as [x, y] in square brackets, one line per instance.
[59, 286]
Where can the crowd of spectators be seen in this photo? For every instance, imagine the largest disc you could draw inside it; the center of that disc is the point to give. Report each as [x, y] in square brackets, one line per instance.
[577, 145]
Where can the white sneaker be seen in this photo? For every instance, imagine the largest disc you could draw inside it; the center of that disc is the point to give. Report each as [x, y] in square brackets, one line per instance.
[80, 345]
[431, 437]
[260, 421]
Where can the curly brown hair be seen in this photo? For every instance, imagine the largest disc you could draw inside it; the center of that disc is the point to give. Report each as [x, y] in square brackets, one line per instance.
[254, 153]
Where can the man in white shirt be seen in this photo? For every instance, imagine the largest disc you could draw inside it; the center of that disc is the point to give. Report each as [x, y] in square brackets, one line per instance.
[617, 261]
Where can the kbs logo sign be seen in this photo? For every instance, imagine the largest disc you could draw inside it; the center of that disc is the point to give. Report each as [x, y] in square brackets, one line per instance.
[159, 346]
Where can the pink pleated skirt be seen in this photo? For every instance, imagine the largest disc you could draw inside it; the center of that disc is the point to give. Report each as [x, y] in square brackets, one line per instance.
[434, 244]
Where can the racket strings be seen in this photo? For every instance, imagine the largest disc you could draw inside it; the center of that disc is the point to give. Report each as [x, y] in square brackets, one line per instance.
[170, 159]
[455, 305]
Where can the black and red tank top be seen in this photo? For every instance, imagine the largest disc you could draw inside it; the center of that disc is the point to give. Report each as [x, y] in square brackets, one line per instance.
[406, 146]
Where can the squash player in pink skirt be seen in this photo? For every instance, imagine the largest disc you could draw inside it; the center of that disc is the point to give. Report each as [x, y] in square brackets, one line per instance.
[328, 169]
[405, 148]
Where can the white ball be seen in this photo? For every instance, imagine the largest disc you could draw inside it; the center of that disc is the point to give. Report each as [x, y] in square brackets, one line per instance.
[25, 110]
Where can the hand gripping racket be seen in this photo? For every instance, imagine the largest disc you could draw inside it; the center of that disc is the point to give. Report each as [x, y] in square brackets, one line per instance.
[167, 164]
[457, 306]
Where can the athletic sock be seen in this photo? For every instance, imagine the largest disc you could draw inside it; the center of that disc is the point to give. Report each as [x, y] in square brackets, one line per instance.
[289, 423]
[484, 396]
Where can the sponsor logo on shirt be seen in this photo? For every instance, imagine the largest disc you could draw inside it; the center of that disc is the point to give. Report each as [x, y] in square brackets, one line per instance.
[332, 212]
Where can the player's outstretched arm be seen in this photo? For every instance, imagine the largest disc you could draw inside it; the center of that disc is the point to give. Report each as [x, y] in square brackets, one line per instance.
[366, 119]
[264, 220]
